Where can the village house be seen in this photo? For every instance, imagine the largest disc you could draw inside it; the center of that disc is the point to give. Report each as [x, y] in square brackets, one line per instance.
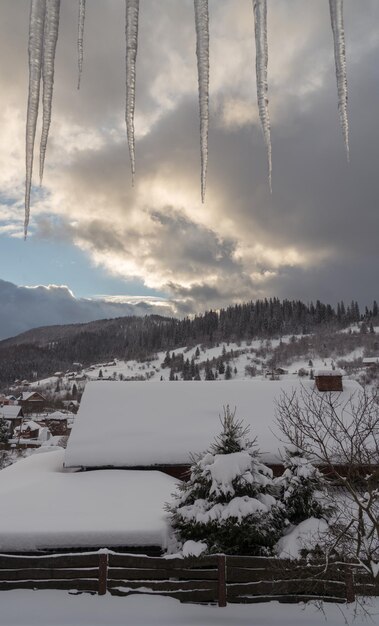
[31, 401]
[13, 414]
[32, 432]
[58, 423]
[372, 361]
[120, 425]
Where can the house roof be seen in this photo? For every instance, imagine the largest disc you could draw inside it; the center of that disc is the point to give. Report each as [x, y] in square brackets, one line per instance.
[10, 411]
[27, 395]
[48, 508]
[126, 424]
[58, 415]
[374, 360]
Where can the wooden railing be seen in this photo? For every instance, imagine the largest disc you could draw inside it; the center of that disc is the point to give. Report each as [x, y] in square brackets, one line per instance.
[215, 578]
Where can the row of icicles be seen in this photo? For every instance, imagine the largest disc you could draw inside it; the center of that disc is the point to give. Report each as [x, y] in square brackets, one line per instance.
[43, 36]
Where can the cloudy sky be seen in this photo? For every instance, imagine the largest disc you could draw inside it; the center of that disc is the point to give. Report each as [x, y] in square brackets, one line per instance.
[316, 236]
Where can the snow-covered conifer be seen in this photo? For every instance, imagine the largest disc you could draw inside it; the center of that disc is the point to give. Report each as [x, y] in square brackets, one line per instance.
[301, 488]
[4, 431]
[228, 502]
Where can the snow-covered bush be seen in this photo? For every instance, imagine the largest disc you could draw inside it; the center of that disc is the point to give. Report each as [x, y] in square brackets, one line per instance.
[228, 502]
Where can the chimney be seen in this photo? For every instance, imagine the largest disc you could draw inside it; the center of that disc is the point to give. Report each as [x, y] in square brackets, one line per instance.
[329, 380]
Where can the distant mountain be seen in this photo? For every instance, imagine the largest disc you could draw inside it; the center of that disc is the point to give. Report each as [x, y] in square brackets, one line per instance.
[23, 308]
[42, 351]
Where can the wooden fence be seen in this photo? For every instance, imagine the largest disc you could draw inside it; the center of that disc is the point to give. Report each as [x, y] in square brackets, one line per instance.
[207, 579]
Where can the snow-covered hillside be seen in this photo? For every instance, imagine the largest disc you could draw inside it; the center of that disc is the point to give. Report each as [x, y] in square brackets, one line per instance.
[285, 357]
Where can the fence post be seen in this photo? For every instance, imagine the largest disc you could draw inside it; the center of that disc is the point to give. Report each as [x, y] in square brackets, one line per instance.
[349, 581]
[103, 573]
[221, 568]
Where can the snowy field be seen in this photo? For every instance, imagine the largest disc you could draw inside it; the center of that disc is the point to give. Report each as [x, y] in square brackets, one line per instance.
[58, 608]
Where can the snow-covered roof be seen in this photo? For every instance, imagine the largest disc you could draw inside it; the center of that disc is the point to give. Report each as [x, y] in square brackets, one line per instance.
[47, 507]
[58, 415]
[10, 411]
[126, 424]
[372, 360]
[27, 395]
[326, 372]
[30, 425]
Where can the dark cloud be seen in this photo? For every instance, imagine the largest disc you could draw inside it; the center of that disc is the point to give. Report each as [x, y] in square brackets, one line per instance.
[22, 308]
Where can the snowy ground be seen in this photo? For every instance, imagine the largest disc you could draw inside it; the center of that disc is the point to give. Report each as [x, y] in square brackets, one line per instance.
[58, 608]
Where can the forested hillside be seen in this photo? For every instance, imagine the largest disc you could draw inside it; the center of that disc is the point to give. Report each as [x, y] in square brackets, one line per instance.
[41, 352]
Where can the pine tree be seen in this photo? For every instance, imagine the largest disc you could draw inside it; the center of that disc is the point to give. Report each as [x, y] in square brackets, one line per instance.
[228, 502]
[228, 372]
[4, 431]
[301, 487]
[208, 371]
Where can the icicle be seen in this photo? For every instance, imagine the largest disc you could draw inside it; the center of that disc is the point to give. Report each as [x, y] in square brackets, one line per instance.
[36, 33]
[131, 32]
[261, 46]
[336, 16]
[82, 17]
[50, 44]
[202, 52]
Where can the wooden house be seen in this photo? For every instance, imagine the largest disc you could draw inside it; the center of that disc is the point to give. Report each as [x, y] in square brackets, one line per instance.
[13, 414]
[328, 380]
[124, 424]
[31, 401]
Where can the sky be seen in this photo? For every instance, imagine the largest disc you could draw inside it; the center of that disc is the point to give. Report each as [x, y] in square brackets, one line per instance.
[315, 236]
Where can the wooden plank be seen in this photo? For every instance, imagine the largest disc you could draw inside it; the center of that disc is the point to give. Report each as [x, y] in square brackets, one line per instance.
[146, 562]
[239, 574]
[221, 568]
[80, 585]
[294, 599]
[366, 590]
[103, 573]
[350, 593]
[259, 562]
[121, 573]
[64, 560]
[196, 596]
[288, 587]
[48, 574]
[165, 585]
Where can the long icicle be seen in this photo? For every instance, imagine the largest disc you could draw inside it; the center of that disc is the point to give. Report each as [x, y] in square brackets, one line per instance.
[36, 33]
[202, 52]
[336, 17]
[131, 33]
[261, 63]
[81, 20]
[49, 48]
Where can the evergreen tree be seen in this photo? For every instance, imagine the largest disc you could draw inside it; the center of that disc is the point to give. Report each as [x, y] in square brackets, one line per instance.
[208, 371]
[4, 431]
[101, 374]
[221, 368]
[301, 487]
[228, 502]
[228, 372]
